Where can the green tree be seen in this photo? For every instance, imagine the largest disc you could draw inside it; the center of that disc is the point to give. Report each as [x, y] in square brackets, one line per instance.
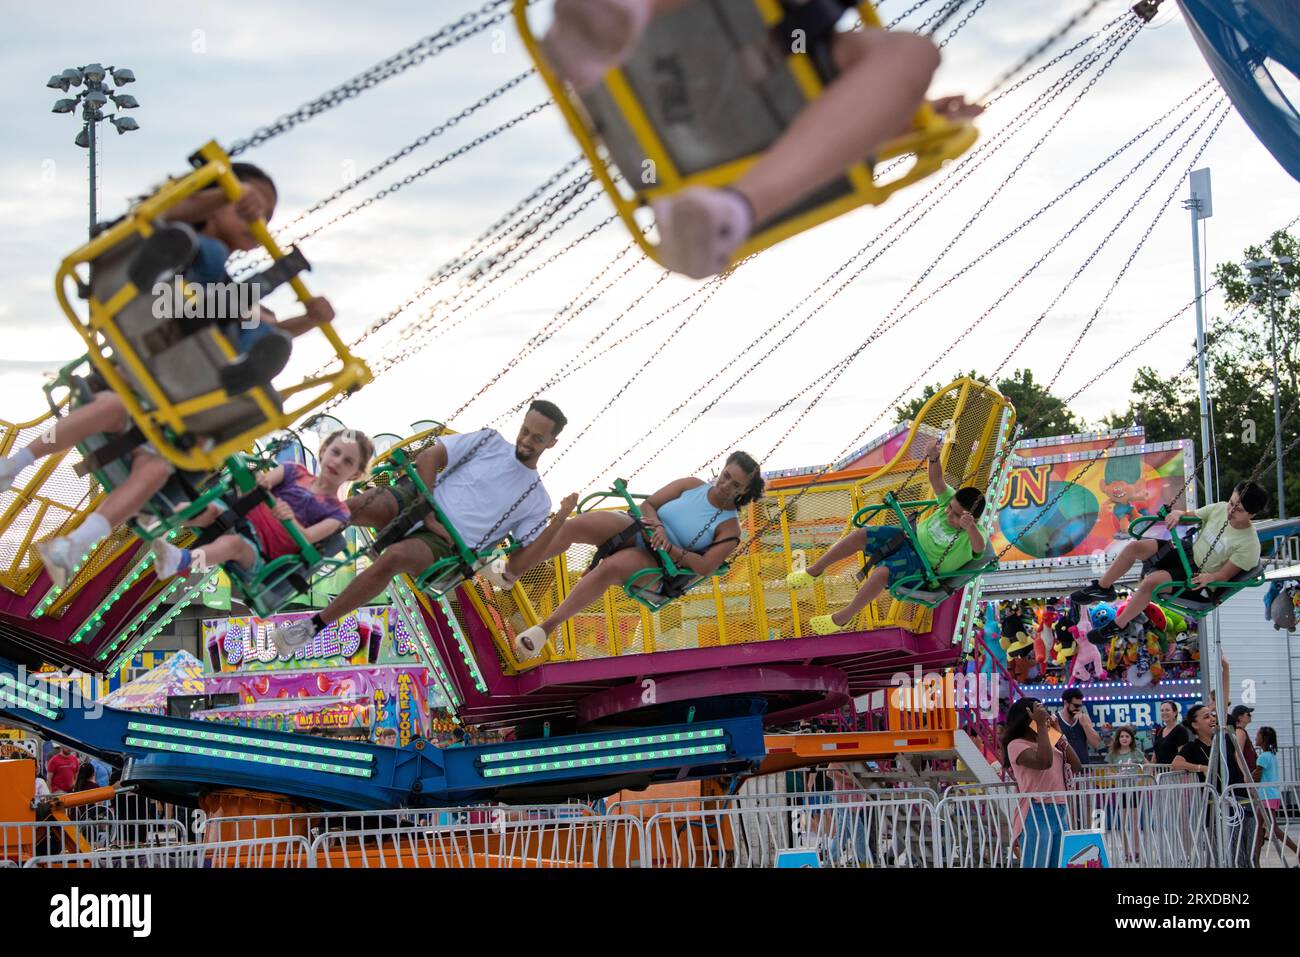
[1239, 351]
[1038, 412]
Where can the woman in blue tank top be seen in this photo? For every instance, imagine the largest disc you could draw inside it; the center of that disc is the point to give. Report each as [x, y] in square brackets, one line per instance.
[694, 521]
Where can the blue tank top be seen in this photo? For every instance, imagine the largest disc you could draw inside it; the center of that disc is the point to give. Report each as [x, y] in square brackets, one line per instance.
[690, 521]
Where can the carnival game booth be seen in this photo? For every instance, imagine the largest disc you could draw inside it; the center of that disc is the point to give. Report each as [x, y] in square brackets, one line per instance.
[1069, 505]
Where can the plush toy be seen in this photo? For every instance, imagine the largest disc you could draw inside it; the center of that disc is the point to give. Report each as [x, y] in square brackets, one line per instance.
[1063, 644]
[1087, 661]
[1175, 623]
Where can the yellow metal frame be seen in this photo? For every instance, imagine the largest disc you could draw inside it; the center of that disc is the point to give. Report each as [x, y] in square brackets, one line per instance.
[25, 567]
[934, 141]
[156, 416]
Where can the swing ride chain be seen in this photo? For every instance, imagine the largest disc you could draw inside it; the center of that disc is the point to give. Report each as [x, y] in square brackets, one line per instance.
[888, 324]
[544, 214]
[545, 333]
[1031, 269]
[1223, 115]
[1205, 99]
[399, 155]
[715, 284]
[449, 269]
[835, 371]
[994, 146]
[418, 345]
[548, 261]
[429, 46]
[785, 338]
[1052, 39]
[488, 266]
[425, 170]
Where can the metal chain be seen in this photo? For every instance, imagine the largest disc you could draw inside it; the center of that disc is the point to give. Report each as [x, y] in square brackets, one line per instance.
[429, 46]
[1006, 294]
[714, 284]
[562, 318]
[496, 263]
[842, 367]
[452, 267]
[1160, 212]
[960, 173]
[395, 157]
[425, 170]
[1054, 37]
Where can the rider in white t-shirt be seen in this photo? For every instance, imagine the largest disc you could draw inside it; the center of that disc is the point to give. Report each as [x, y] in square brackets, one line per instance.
[486, 487]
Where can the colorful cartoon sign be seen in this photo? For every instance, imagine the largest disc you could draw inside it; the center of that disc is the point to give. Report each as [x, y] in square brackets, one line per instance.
[396, 698]
[1074, 505]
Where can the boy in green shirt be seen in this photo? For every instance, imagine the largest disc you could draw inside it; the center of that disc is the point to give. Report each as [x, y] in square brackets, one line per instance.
[1224, 546]
[947, 536]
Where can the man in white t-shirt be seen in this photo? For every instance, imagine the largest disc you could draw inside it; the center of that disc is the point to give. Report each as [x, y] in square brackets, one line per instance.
[1225, 545]
[487, 487]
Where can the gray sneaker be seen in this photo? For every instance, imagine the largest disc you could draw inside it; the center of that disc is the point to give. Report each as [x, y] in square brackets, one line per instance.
[293, 635]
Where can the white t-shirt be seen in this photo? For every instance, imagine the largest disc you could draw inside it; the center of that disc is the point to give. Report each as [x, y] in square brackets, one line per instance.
[481, 482]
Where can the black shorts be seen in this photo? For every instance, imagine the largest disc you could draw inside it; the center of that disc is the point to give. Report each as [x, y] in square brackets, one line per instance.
[1166, 560]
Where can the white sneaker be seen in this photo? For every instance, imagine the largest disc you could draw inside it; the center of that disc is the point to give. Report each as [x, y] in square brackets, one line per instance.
[9, 470]
[58, 559]
[293, 635]
[700, 228]
[496, 573]
[166, 558]
[529, 643]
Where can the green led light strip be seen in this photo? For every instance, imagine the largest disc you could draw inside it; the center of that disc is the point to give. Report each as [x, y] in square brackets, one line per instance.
[36, 693]
[134, 575]
[141, 618]
[178, 748]
[605, 760]
[179, 606]
[649, 739]
[465, 652]
[24, 701]
[414, 622]
[271, 745]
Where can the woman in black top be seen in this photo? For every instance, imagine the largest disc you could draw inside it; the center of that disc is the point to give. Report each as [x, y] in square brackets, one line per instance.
[1195, 755]
[1170, 737]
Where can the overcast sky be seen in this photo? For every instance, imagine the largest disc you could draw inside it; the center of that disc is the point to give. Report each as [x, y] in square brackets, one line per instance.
[221, 69]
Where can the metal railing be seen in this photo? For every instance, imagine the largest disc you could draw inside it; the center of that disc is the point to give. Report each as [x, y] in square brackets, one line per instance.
[22, 840]
[869, 833]
[573, 842]
[268, 852]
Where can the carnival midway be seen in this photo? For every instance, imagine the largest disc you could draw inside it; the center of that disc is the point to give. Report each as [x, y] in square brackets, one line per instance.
[654, 434]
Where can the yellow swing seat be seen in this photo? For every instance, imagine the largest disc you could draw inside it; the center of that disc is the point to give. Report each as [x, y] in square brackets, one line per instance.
[169, 378]
[708, 90]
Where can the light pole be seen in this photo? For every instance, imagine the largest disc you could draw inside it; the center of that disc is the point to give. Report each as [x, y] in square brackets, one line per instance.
[1268, 284]
[93, 99]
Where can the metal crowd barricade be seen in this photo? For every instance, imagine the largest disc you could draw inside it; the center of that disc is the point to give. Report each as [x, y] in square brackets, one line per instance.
[1142, 825]
[864, 833]
[312, 824]
[567, 842]
[269, 852]
[21, 840]
[646, 808]
[1261, 824]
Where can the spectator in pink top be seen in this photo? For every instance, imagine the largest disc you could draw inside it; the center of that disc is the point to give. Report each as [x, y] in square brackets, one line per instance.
[1039, 770]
